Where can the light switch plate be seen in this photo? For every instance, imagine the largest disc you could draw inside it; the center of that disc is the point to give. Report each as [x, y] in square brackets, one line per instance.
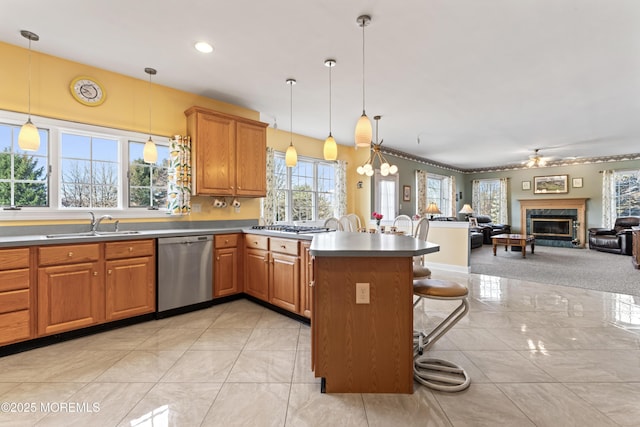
[362, 293]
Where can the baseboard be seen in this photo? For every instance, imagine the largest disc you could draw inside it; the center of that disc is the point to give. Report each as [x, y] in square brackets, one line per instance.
[449, 267]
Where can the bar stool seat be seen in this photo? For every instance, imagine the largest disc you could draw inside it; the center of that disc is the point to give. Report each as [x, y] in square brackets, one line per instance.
[436, 373]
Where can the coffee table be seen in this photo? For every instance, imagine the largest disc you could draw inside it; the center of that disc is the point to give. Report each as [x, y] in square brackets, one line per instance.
[514, 240]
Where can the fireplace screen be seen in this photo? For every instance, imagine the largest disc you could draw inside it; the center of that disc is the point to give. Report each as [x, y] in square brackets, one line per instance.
[559, 227]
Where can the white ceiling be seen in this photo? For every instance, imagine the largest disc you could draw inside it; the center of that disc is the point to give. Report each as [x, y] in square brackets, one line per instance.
[479, 83]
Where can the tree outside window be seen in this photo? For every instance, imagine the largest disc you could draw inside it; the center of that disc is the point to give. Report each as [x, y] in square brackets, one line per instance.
[148, 182]
[627, 193]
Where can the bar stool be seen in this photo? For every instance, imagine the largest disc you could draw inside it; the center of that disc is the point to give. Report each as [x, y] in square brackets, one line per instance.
[436, 373]
[420, 232]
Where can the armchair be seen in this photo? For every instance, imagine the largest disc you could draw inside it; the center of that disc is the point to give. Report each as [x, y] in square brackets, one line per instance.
[617, 240]
[489, 229]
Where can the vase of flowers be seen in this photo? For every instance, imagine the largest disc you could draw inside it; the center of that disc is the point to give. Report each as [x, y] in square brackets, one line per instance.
[377, 216]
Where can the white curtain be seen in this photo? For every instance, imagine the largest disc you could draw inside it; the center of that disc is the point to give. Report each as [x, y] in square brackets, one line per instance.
[340, 207]
[504, 205]
[269, 201]
[608, 204]
[452, 196]
[421, 192]
[179, 176]
[475, 195]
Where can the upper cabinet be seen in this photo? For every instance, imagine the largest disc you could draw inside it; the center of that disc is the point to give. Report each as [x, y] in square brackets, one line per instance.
[228, 154]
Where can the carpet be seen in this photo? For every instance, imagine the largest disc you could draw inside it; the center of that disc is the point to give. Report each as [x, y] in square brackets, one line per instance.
[580, 268]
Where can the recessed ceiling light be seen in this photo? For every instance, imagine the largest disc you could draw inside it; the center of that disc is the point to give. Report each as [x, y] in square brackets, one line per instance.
[204, 47]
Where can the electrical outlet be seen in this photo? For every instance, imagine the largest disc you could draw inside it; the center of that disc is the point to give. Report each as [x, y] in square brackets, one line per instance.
[362, 293]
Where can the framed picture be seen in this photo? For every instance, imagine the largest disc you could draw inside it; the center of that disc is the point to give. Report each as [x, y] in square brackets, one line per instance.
[473, 222]
[526, 185]
[551, 184]
[576, 182]
[406, 193]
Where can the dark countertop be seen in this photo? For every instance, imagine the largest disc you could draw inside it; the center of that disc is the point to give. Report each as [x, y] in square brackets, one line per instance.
[345, 244]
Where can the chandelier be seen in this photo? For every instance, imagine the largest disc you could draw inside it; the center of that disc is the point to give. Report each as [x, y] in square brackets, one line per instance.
[368, 167]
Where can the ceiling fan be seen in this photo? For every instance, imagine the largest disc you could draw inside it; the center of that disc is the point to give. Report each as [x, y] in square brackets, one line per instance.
[536, 160]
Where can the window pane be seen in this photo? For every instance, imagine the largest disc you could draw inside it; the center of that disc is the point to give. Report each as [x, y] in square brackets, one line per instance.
[5, 194]
[325, 205]
[76, 146]
[5, 138]
[302, 207]
[627, 193]
[139, 197]
[75, 196]
[5, 165]
[105, 196]
[31, 194]
[30, 167]
[148, 182]
[104, 149]
[77, 171]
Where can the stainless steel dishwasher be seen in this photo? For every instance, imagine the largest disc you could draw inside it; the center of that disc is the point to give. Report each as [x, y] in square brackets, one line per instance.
[185, 271]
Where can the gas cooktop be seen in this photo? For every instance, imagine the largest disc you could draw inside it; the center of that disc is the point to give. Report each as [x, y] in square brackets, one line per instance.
[299, 229]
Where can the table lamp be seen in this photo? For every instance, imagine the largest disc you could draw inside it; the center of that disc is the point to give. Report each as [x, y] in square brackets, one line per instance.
[432, 209]
[466, 210]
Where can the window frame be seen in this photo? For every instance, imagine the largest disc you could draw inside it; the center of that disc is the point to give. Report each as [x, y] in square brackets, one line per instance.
[280, 156]
[377, 199]
[615, 196]
[55, 129]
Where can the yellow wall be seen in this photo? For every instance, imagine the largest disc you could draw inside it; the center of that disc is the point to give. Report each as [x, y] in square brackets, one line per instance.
[127, 107]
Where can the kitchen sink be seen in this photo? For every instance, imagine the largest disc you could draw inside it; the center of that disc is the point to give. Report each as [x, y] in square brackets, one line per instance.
[90, 234]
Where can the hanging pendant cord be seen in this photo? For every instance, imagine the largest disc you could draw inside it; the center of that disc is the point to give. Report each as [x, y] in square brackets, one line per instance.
[291, 115]
[150, 103]
[330, 67]
[363, 25]
[29, 101]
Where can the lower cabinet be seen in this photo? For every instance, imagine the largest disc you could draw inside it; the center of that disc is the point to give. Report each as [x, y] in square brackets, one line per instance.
[635, 252]
[130, 279]
[226, 266]
[16, 294]
[284, 277]
[256, 266]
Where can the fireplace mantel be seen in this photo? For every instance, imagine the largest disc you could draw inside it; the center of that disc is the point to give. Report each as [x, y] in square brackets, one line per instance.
[578, 204]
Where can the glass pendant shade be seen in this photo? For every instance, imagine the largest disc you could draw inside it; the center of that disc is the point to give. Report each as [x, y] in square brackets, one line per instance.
[29, 138]
[364, 132]
[330, 149]
[150, 152]
[291, 156]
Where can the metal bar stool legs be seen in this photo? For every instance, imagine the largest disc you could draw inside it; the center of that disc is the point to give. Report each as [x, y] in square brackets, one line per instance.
[436, 373]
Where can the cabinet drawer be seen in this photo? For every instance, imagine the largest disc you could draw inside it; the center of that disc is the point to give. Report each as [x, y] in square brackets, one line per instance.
[14, 258]
[14, 279]
[14, 326]
[14, 301]
[256, 242]
[285, 246]
[225, 241]
[68, 254]
[129, 249]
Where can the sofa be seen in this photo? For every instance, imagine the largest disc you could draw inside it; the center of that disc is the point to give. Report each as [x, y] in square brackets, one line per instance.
[617, 240]
[488, 228]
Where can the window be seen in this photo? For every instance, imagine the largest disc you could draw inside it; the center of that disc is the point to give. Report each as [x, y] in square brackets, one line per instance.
[88, 171]
[386, 195]
[438, 191]
[24, 175]
[627, 193]
[305, 192]
[487, 196]
[147, 182]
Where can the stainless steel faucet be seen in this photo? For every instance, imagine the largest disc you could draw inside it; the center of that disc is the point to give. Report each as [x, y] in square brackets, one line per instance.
[93, 220]
[97, 223]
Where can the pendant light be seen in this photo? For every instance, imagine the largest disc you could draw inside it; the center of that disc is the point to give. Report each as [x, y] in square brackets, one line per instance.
[291, 156]
[330, 150]
[29, 138]
[150, 152]
[363, 133]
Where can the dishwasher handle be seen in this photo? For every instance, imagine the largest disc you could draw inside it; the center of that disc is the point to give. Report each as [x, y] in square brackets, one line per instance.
[184, 240]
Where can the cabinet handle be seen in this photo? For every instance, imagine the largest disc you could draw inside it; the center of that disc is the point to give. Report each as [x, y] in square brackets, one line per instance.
[255, 243]
[218, 258]
[266, 260]
[130, 249]
[311, 283]
[226, 241]
[109, 272]
[70, 254]
[283, 246]
[95, 273]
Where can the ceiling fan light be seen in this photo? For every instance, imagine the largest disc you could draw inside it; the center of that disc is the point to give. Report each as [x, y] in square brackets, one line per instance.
[330, 149]
[29, 137]
[364, 132]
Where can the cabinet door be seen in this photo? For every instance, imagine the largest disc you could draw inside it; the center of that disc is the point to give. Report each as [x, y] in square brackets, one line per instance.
[130, 287]
[214, 154]
[225, 272]
[69, 297]
[306, 279]
[284, 286]
[251, 174]
[256, 273]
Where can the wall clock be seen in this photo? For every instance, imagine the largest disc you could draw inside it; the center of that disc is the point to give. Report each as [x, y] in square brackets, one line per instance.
[87, 91]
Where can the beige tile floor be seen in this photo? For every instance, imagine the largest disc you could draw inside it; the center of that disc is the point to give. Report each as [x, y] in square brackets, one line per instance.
[538, 355]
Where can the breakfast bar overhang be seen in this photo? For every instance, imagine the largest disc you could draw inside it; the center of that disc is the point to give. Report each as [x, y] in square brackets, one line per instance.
[362, 315]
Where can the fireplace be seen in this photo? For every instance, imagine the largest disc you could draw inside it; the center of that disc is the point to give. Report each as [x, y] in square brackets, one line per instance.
[552, 227]
[555, 208]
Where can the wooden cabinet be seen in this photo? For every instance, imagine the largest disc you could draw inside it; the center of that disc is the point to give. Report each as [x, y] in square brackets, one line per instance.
[635, 253]
[229, 153]
[306, 278]
[284, 277]
[16, 314]
[130, 279]
[227, 262]
[256, 266]
[70, 287]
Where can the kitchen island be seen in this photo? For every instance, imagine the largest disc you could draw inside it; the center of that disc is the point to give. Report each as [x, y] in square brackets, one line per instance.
[362, 316]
